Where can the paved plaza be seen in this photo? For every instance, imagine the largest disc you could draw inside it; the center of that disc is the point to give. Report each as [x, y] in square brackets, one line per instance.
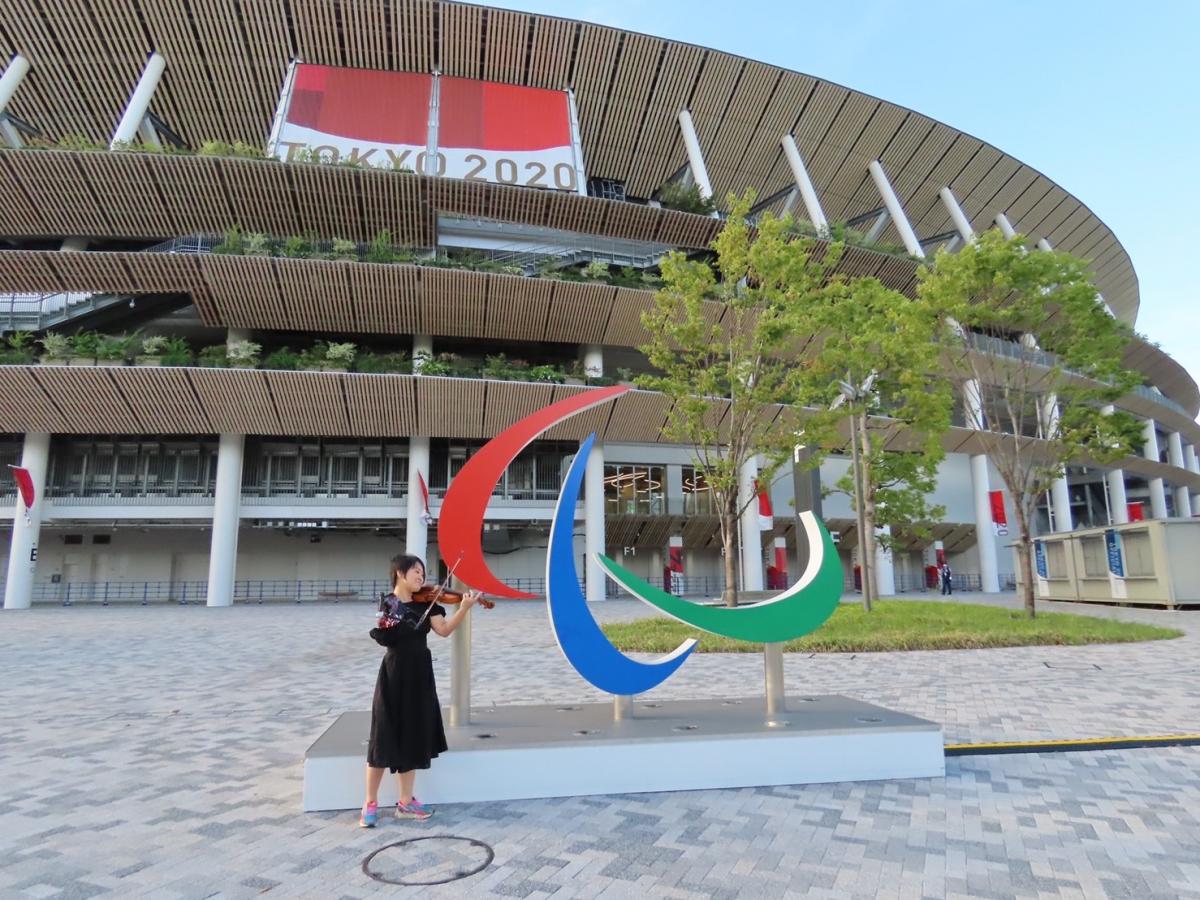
[157, 752]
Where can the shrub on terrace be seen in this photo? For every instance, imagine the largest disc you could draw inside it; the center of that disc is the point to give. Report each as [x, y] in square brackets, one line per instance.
[674, 195]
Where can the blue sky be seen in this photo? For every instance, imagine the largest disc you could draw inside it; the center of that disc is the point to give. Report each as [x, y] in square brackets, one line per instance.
[1102, 97]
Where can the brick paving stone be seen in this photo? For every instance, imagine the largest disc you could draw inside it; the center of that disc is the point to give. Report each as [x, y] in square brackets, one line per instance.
[157, 752]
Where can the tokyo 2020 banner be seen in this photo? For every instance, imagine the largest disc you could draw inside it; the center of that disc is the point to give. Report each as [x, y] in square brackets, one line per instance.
[800, 609]
[456, 127]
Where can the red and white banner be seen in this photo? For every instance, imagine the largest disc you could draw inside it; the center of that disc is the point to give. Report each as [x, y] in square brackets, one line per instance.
[1137, 512]
[480, 130]
[25, 485]
[766, 516]
[505, 134]
[426, 514]
[999, 516]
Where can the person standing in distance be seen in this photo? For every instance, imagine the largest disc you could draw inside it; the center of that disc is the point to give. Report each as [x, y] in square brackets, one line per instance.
[406, 717]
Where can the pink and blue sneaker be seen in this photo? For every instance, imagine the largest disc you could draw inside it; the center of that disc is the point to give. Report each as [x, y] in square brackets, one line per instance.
[414, 809]
[370, 815]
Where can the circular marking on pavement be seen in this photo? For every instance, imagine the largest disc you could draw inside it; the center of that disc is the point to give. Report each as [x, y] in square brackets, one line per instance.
[443, 859]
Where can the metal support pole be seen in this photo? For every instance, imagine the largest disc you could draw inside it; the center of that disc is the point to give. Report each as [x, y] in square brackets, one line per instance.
[460, 672]
[622, 707]
[773, 676]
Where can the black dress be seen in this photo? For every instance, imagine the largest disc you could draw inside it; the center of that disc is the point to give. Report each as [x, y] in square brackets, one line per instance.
[406, 718]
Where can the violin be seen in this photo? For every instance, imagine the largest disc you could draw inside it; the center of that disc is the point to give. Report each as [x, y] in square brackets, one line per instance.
[435, 593]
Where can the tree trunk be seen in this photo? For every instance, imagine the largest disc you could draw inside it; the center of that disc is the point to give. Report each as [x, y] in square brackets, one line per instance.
[870, 576]
[1025, 561]
[729, 595]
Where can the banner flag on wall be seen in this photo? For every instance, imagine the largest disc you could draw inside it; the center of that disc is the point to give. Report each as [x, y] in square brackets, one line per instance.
[999, 517]
[427, 515]
[1116, 564]
[25, 486]
[766, 516]
[1137, 512]
[476, 130]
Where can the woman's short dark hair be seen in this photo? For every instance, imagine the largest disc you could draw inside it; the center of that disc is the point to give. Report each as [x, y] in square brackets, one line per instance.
[401, 564]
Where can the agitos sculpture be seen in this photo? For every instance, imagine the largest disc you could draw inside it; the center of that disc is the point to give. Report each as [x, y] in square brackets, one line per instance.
[797, 611]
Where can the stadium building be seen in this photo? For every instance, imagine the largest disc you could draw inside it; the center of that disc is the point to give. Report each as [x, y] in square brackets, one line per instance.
[476, 200]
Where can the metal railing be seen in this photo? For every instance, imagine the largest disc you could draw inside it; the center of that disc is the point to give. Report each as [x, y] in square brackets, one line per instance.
[254, 591]
[1013, 350]
[35, 312]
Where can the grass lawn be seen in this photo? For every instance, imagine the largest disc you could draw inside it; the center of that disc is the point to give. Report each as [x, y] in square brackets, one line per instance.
[904, 625]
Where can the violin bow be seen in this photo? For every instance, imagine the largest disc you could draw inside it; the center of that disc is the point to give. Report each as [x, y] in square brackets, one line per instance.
[441, 588]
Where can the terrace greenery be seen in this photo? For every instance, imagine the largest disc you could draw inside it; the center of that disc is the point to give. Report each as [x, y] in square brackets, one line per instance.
[86, 347]
[382, 249]
[673, 195]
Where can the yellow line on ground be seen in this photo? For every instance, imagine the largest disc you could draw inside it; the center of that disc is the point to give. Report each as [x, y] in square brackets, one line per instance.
[1076, 742]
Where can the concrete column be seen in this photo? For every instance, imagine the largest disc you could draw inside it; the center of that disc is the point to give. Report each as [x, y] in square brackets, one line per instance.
[1005, 226]
[593, 360]
[752, 563]
[1193, 465]
[985, 537]
[416, 541]
[695, 156]
[1158, 494]
[593, 522]
[885, 569]
[1060, 494]
[892, 202]
[14, 74]
[422, 348]
[1060, 499]
[1183, 499]
[957, 216]
[227, 501]
[139, 102]
[1118, 503]
[812, 205]
[27, 524]
[1114, 479]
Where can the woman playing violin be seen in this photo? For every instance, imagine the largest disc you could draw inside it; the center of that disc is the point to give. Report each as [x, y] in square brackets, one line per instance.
[406, 718]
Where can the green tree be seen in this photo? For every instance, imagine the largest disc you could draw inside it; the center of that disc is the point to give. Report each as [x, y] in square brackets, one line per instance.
[728, 366]
[877, 371]
[1037, 358]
